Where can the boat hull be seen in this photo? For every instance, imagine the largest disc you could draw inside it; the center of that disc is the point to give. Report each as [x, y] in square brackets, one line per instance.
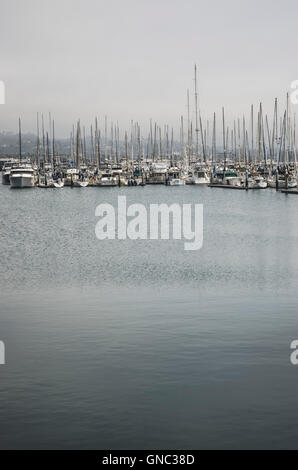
[177, 182]
[282, 184]
[200, 181]
[58, 184]
[107, 182]
[80, 184]
[6, 178]
[19, 181]
[262, 185]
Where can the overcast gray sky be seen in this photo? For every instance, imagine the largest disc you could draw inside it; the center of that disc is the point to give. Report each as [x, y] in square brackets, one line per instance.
[133, 59]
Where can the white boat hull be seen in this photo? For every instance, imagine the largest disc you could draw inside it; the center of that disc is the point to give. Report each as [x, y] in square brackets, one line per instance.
[177, 182]
[107, 182]
[19, 181]
[58, 184]
[5, 177]
[282, 184]
[262, 185]
[271, 183]
[200, 180]
[80, 184]
[48, 184]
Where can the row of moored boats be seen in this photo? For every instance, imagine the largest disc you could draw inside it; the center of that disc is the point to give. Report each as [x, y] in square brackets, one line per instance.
[26, 174]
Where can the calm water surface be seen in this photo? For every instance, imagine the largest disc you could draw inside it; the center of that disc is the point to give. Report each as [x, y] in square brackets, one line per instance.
[122, 344]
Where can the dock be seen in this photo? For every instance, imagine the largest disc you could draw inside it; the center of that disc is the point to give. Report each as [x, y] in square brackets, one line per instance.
[289, 191]
[227, 186]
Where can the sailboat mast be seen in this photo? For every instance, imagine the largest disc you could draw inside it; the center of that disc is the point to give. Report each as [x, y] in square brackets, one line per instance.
[224, 136]
[203, 140]
[235, 141]
[48, 148]
[288, 130]
[126, 147]
[20, 140]
[106, 137]
[96, 143]
[78, 146]
[131, 141]
[160, 144]
[294, 143]
[154, 142]
[196, 115]
[172, 146]
[151, 140]
[50, 151]
[98, 149]
[252, 131]
[214, 140]
[43, 140]
[38, 141]
[92, 143]
[139, 143]
[167, 141]
[244, 141]
[188, 128]
[182, 140]
[269, 137]
[53, 145]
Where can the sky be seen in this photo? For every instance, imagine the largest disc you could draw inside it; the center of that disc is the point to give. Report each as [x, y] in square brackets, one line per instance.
[134, 59]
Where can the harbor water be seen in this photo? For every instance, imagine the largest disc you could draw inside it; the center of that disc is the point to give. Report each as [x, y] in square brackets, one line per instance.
[140, 344]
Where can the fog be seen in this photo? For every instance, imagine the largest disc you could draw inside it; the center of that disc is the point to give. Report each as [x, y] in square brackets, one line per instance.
[134, 59]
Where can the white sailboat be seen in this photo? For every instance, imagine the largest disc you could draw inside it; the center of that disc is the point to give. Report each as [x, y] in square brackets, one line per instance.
[23, 176]
[59, 183]
[80, 183]
[258, 182]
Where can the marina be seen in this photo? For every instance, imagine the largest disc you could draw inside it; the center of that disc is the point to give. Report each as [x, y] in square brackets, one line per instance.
[267, 163]
[149, 230]
[28, 175]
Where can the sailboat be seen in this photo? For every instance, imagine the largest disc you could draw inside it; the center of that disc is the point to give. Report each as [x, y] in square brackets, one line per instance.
[76, 179]
[23, 176]
[80, 183]
[59, 183]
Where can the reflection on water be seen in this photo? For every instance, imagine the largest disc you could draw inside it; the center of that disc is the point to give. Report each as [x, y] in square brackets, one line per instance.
[122, 344]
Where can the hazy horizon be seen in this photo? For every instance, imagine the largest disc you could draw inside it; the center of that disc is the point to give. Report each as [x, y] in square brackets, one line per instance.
[134, 60]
